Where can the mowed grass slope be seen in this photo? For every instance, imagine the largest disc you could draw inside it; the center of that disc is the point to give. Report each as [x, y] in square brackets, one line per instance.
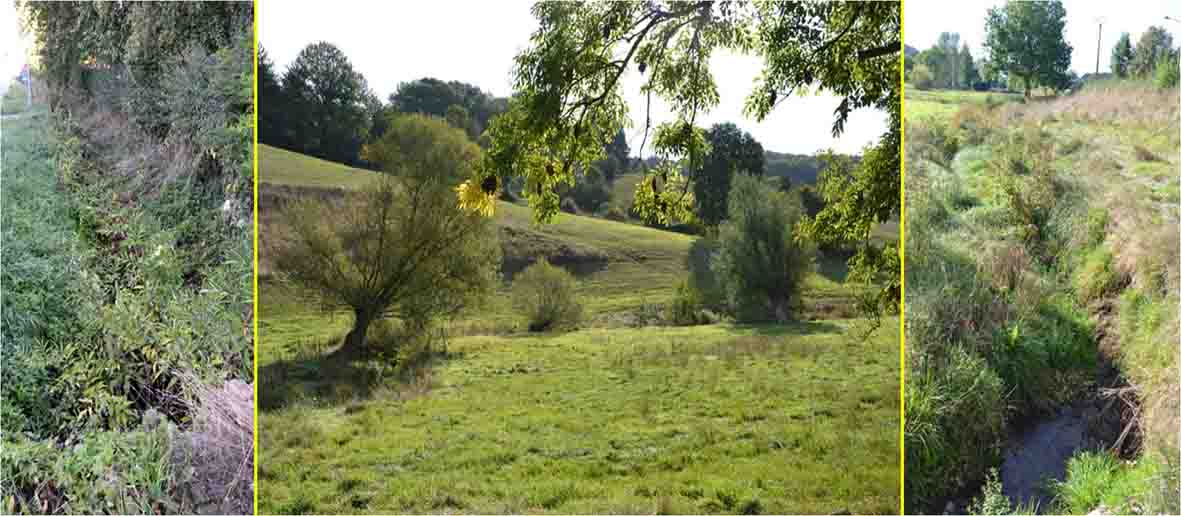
[624, 268]
[800, 418]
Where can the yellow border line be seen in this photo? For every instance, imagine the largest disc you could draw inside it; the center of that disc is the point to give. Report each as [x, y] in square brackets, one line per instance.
[902, 259]
[254, 276]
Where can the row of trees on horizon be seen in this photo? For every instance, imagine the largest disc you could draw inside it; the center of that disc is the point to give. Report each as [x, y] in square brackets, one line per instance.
[1011, 64]
[321, 106]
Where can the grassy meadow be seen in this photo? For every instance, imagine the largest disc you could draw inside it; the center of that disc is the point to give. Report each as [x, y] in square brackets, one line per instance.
[623, 415]
[1042, 273]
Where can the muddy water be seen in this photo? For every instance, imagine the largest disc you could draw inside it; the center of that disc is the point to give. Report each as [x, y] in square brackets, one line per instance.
[1040, 453]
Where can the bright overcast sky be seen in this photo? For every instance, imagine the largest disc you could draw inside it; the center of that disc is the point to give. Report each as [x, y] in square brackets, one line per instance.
[12, 42]
[475, 42]
[925, 19]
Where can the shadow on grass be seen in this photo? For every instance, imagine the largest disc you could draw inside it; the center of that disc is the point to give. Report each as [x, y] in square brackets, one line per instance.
[321, 374]
[795, 328]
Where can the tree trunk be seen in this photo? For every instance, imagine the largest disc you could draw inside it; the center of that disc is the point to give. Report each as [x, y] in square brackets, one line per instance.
[354, 342]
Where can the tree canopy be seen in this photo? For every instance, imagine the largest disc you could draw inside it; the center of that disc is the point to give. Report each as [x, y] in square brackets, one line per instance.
[325, 101]
[402, 246]
[435, 97]
[1155, 45]
[731, 151]
[1026, 41]
[1121, 56]
[569, 102]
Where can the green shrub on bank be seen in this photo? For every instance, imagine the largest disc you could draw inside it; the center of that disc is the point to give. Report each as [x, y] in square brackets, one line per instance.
[956, 411]
[1096, 277]
[1168, 72]
[759, 263]
[545, 295]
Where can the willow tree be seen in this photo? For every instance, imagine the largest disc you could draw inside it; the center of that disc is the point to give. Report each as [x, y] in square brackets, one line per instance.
[569, 102]
[400, 247]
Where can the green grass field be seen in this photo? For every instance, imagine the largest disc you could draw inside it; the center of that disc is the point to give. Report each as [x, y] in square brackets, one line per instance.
[927, 104]
[617, 417]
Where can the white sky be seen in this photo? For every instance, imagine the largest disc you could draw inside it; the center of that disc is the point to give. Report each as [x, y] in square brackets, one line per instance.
[925, 19]
[12, 43]
[475, 42]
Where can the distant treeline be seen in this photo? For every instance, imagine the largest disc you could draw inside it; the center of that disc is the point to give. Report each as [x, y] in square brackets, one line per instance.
[322, 107]
[950, 65]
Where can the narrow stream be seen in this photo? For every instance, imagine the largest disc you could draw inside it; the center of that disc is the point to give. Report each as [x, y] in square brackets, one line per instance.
[1040, 453]
[1037, 455]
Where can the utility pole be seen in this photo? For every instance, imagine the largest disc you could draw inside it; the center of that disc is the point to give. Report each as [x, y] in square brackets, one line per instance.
[1099, 45]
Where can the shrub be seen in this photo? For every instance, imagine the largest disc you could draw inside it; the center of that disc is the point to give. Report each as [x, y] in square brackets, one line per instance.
[972, 125]
[402, 244]
[545, 295]
[955, 418]
[1096, 277]
[703, 280]
[921, 77]
[686, 307]
[589, 193]
[615, 213]
[569, 206]
[759, 261]
[992, 499]
[1168, 73]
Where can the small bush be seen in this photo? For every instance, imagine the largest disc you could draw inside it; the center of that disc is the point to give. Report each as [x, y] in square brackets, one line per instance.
[703, 280]
[992, 499]
[1167, 73]
[615, 213]
[545, 295]
[686, 308]
[972, 125]
[590, 192]
[921, 77]
[568, 205]
[759, 260]
[1096, 277]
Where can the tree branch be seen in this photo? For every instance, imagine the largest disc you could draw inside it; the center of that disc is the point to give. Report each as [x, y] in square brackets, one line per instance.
[879, 51]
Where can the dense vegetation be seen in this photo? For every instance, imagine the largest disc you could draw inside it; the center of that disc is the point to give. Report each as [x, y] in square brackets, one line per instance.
[126, 346]
[601, 407]
[400, 248]
[1041, 274]
[568, 102]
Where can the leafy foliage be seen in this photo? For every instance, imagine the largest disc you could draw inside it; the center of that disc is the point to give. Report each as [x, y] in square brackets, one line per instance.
[731, 151]
[1121, 56]
[401, 246]
[1168, 72]
[127, 227]
[324, 100]
[545, 294]
[1154, 47]
[569, 103]
[431, 96]
[759, 263]
[1026, 41]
